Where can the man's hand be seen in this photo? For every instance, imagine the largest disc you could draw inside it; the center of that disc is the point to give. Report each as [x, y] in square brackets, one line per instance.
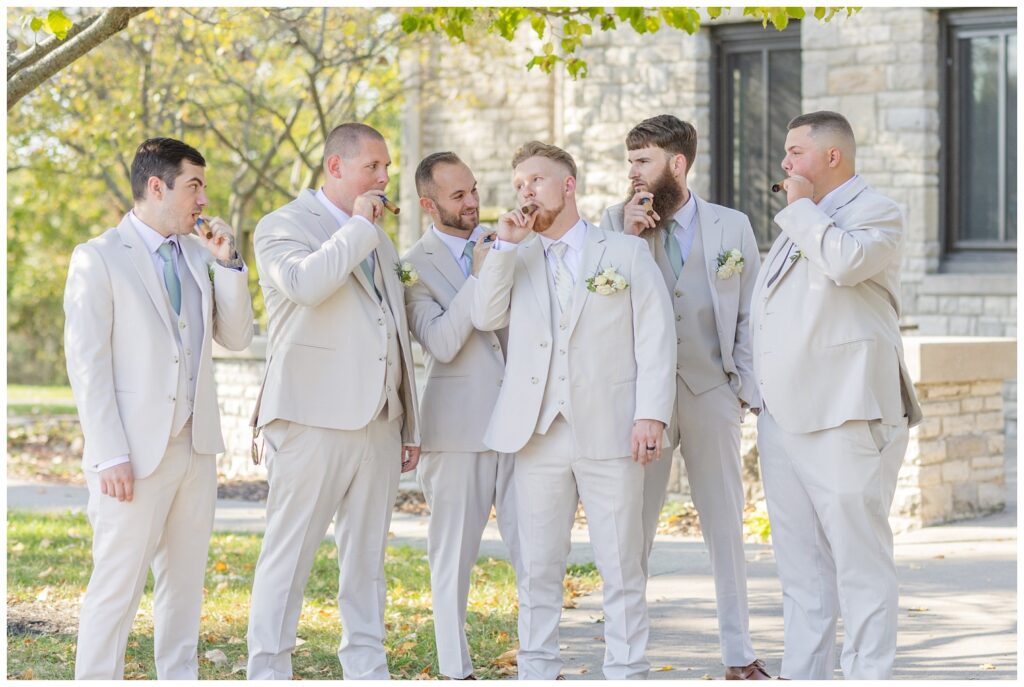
[646, 440]
[222, 243]
[118, 482]
[514, 226]
[410, 457]
[480, 251]
[797, 187]
[635, 219]
[369, 205]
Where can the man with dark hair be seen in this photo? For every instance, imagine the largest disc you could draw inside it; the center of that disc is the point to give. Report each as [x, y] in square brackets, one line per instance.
[143, 304]
[583, 404]
[708, 257]
[461, 478]
[837, 404]
[337, 409]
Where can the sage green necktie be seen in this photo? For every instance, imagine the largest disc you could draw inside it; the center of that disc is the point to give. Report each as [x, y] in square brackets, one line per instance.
[675, 256]
[467, 252]
[171, 280]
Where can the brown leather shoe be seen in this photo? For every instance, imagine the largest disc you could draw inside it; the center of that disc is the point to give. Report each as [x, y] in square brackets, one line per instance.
[754, 671]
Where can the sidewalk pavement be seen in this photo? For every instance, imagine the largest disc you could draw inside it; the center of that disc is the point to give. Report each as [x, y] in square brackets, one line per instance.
[958, 593]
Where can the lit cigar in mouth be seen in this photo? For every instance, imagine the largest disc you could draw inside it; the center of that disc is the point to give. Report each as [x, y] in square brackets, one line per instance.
[647, 201]
[777, 186]
[528, 209]
[390, 206]
[204, 226]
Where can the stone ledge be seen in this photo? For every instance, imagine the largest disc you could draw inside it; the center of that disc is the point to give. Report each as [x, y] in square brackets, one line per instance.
[940, 359]
[968, 285]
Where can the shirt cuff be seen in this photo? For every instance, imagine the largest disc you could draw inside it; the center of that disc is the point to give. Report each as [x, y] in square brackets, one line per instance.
[113, 462]
[235, 264]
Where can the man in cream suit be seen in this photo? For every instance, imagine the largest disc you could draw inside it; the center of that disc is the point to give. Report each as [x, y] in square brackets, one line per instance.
[143, 304]
[461, 478]
[837, 403]
[584, 403]
[338, 405]
[714, 370]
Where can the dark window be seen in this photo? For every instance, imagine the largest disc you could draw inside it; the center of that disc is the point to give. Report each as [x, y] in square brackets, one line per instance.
[980, 146]
[757, 92]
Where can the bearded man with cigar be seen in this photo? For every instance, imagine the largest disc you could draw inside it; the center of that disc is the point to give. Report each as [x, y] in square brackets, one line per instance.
[143, 304]
[708, 258]
[584, 402]
[837, 404]
[337, 409]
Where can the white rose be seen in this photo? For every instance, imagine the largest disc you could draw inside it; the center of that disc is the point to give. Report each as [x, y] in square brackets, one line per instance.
[725, 271]
[600, 280]
[605, 290]
[619, 283]
[738, 268]
[735, 255]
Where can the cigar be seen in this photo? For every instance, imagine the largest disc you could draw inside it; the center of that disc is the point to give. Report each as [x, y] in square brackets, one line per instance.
[647, 201]
[206, 232]
[777, 186]
[390, 206]
[527, 209]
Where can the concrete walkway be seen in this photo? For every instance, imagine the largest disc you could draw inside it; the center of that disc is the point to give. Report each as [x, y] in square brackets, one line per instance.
[958, 594]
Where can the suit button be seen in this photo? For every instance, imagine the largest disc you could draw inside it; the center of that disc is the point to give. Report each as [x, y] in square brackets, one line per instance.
[562, 326]
[561, 378]
[678, 341]
[543, 344]
[175, 359]
[561, 403]
[381, 359]
[533, 380]
[380, 320]
[499, 382]
[495, 346]
[182, 324]
[679, 294]
[679, 318]
[171, 399]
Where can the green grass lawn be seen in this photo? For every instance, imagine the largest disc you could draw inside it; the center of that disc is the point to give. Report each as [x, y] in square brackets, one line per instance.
[40, 400]
[49, 561]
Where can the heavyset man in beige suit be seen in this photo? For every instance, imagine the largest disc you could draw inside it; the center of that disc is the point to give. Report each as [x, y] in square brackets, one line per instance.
[461, 478]
[837, 403]
[584, 403]
[714, 372]
[338, 406]
[143, 304]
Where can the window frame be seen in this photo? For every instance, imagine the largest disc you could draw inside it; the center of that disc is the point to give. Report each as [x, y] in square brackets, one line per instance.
[727, 40]
[954, 26]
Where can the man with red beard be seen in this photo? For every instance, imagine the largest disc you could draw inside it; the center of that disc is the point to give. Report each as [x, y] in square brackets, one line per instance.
[584, 401]
[708, 257]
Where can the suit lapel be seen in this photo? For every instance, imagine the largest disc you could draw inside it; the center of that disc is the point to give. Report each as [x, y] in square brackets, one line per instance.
[324, 225]
[537, 271]
[443, 260]
[139, 256]
[709, 225]
[593, 251]
[656, 242]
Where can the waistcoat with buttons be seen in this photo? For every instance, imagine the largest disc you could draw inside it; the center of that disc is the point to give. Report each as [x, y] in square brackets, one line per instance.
[556, 388]
[699, 351]
[390, 395]
[188, 331]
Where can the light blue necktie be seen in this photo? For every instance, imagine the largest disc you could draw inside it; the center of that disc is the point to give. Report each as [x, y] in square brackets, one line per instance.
[675, 256]
[467, 252]
[171, 280]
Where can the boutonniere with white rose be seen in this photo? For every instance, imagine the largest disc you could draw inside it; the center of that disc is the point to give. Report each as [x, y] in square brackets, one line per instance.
[407, 274]
[209, 267]
[796, 256]
[606, 282]
[730, 263]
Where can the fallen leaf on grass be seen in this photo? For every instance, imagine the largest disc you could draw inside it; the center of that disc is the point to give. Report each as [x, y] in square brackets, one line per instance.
[45, 544]
[405, 646]
[583, 671]
[705, 676]
[220, 566]
[217, 657]
[44, 594]
[47, 572]
[239, 666]
[26, 675]
[236, 640]
[664, 669]
[507, 659]
[18, 548]
[299, 641]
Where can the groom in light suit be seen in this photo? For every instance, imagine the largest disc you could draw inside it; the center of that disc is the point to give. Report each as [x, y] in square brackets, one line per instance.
[584, 403]
[714, 374]
[837, 404]
[461, 478]
[143, 304]
[338, 405]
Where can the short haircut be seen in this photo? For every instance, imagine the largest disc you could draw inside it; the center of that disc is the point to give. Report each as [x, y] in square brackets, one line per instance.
[667, 132]
[825, 120]
[347, 139]
[538, 149]
[425, 171]
[161, 158]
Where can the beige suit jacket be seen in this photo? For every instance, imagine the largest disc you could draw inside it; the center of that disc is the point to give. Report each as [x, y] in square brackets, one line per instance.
[721, 229]
[121, 350]
[465, 366]
[327, 339]
[620, 345]
[825, 326]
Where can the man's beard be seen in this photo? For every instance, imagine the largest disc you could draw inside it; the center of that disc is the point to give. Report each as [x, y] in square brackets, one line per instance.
[456, 220]
[667, 196]
[545, 218]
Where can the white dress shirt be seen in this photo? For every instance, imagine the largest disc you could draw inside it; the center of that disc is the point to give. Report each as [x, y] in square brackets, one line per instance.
[457, 245]
[574, 239]
[343, 217]
[686, 226]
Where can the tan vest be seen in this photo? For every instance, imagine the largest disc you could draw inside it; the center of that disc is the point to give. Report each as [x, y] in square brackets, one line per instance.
[390, 395]
[188, 334]
[556, 398]
[699, 353]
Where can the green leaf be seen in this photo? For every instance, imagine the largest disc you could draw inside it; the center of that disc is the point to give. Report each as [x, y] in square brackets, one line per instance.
[608, 23]
[577, 68]
[780, 19]
[57, 24]
[410, 22]
[549, 48]
[714, 12]
[796, 12]
[37, 23]
[819, 13]
[539, 25]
